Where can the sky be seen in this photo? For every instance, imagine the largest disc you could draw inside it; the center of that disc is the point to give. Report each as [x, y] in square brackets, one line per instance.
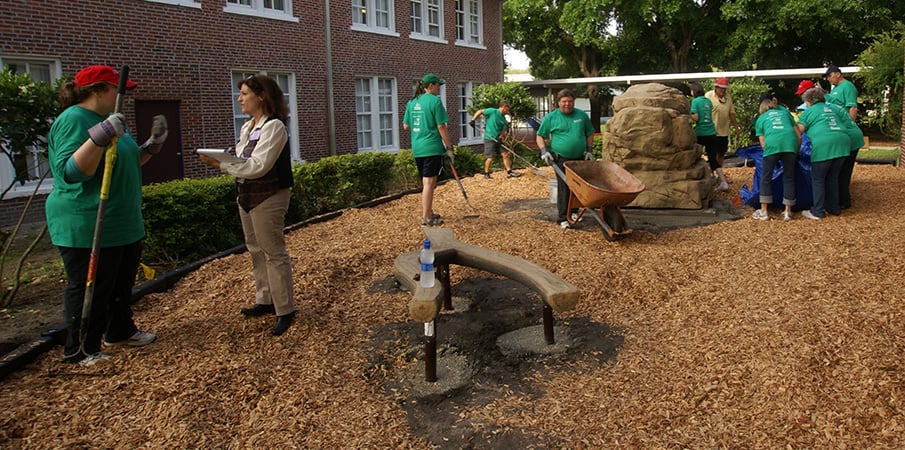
[515, 59]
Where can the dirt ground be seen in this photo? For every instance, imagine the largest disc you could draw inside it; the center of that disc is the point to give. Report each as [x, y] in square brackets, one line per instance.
[711, 331]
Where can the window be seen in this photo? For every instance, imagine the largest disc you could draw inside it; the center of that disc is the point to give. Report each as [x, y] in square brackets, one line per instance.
[31, 164]
[271, 9]
[376, 115]
[467, 134]
[286, 81]
[469, 23]
[189, 3]
[373, 15]
[427, 19]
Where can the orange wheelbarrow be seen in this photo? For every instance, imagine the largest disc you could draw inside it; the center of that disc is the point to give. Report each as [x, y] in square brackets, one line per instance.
[604, 185]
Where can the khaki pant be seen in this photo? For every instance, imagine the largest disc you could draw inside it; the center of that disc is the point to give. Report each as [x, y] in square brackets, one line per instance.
[263, 228]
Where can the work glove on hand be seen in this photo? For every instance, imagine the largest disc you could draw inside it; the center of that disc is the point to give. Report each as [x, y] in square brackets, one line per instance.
[546, 156]
[104, 132]
[589, 154]
[449, 154]
[472, 125]
[159, 134]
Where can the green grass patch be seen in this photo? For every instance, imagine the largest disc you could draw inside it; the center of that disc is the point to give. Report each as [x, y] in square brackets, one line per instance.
[890, 156]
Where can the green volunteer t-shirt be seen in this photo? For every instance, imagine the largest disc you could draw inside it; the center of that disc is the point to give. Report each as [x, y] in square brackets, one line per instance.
[568, 134]
[71, 207]
[423, 115]
[855, 135]
[778, 129]
[829, 139]
[703, 107]
[844, 94]
[494, 123]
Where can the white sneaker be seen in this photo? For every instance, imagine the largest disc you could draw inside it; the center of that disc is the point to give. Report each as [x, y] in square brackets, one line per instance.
[93, 359]
[786, 216]
[807, 213]
[564, 225]
[760, 214]
[140, 338]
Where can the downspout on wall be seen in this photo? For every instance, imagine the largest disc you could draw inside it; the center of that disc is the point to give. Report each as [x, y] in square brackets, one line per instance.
[331, 114]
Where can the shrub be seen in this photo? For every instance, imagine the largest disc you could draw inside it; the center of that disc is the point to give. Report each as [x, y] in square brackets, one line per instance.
[186, 220]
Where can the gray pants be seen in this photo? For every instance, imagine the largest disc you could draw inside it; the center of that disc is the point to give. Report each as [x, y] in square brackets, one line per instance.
[263, 229]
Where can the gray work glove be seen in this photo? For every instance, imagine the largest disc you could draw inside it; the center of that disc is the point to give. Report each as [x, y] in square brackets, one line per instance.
[159, 134]
[589, 154]
[546, 156]
[449, 154]
[113, 126]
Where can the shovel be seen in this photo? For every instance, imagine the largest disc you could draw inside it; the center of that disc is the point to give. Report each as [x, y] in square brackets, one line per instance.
[109, 161]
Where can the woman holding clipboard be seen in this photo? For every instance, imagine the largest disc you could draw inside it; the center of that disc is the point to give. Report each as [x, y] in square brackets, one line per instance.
[263, 182]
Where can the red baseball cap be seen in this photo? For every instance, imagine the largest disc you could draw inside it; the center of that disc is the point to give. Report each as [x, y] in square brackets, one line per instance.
[803, 86]
[722, 82]
[96, 74]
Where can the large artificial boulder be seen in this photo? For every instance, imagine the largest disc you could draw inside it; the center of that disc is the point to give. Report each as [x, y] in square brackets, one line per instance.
[651, 136]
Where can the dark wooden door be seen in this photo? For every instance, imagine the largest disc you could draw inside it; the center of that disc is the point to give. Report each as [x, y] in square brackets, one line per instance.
[168, 164]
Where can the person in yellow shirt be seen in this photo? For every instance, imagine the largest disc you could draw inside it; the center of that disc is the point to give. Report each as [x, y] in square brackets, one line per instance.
[723, 117]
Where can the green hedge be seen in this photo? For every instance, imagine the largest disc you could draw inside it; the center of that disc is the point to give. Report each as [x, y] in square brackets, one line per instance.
[187, 220]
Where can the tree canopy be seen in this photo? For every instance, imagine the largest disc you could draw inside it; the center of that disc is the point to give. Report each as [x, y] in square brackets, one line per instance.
[609, 37]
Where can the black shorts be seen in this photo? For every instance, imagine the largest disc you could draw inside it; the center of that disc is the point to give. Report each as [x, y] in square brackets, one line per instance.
[429, 166]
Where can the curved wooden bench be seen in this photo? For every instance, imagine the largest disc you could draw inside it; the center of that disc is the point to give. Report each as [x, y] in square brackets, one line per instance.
[425, 306]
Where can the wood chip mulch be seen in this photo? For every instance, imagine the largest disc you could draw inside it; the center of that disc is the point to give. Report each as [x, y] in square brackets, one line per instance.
[742, 334]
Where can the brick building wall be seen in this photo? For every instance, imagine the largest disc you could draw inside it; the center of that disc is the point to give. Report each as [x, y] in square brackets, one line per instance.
[187, 54]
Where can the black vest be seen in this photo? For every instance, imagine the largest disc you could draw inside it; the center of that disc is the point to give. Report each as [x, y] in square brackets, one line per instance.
[251, 192]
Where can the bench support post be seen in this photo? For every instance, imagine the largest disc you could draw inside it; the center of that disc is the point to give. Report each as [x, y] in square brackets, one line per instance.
[443, 276]
[430, 352]
[548, 324]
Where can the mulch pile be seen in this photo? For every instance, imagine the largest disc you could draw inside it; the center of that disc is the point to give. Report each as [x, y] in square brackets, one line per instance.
[741, 334]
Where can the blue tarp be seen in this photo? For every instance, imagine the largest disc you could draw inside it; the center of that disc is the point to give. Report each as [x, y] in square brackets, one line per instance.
[804, 198]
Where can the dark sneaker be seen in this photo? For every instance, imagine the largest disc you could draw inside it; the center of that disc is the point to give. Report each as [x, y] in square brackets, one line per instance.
[258, 310]
[512, 174]
[487, 175]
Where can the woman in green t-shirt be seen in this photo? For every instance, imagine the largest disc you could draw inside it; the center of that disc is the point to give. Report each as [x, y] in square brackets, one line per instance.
[830, 145]
[77, 143]
[780, 140]
[425, 116]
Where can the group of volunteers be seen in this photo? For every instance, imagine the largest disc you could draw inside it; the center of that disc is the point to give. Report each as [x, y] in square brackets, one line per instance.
[569, 131]
[91, 126]
[828, 120]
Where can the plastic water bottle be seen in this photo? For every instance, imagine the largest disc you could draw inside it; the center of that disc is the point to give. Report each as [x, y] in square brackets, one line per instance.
[427, 265]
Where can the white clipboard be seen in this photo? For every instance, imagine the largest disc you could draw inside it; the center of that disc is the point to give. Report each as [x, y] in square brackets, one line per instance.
[219, 154]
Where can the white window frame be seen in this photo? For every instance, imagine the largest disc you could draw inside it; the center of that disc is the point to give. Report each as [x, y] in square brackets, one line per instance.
[367, 9]
[286, 80]
[259, 8]
[429, 14]
[470, 23]
[464, 93]
[36, 165]
[187, 3]
[386, 109]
